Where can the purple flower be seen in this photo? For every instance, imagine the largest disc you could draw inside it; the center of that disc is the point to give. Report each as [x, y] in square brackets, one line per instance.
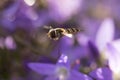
[68, 46]
[61, 70]
[30, 2]
[10, 43]
[8, 16]
[20, 14]
[101, 74]
[62, 10]
[105, 34]
[113, 56]
[109, 48]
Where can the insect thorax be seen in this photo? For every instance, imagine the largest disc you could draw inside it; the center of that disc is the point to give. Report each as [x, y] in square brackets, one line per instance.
[55, 34]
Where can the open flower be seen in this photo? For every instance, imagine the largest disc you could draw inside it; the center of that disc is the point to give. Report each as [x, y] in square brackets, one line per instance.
[103, 73]
[61, 70]
[113, 55]
[104, 35]
[108, 47]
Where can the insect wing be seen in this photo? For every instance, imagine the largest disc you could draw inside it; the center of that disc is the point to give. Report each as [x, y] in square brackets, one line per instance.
[68, 35]
[48, 27]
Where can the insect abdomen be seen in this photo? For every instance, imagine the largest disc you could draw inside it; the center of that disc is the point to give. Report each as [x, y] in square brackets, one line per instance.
[72, 30]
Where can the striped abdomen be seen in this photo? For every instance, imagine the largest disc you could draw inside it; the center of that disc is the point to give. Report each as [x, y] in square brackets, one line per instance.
[72, 30]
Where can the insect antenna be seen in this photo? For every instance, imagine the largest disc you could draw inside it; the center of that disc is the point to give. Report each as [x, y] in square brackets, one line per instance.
[48, 27]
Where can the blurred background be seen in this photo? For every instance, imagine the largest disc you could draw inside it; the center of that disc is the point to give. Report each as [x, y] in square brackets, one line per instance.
[23, 38]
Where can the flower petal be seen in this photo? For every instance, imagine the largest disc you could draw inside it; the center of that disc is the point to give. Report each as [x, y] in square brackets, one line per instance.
[59, 13]
[41, 68]
[105, 33]
[51, 78]
[101, 74]
[75, 75]
[10, 43]
[93, 49]
[113, 56]
[116, 44]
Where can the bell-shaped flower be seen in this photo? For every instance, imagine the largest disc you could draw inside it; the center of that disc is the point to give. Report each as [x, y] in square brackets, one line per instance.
[101, 74]
[105, 34]
[113, 55]
[59, 71]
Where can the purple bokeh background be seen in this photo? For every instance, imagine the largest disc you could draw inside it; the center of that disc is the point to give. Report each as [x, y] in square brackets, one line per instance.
[26, 52]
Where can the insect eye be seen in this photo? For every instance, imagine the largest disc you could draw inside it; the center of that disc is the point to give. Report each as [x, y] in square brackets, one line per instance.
[53, 35]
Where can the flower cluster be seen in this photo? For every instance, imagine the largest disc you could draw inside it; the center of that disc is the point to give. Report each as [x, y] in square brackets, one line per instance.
[105, 49]
[26, 48]
[61, 70]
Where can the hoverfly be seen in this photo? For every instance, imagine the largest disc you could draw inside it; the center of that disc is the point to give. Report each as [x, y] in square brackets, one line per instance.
[57, 33]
